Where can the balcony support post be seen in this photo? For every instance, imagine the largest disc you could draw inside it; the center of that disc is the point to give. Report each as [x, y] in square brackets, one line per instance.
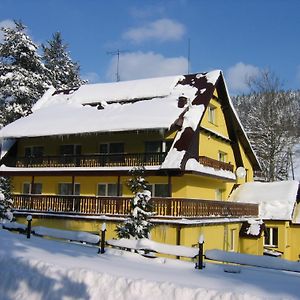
[169, 185]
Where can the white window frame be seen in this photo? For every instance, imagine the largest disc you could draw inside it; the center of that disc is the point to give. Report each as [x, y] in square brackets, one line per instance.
[212, 114]
[271, 237]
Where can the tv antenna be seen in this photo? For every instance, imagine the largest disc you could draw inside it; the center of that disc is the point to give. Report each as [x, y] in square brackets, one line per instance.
[117, 53]
[189, 56]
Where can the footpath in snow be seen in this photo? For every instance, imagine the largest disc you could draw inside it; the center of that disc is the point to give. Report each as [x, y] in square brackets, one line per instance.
[40, 269]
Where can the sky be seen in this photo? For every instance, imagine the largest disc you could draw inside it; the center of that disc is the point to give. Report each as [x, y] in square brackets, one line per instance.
[240, 37]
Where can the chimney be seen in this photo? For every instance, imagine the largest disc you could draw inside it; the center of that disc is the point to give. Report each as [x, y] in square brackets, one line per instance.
[182, 101]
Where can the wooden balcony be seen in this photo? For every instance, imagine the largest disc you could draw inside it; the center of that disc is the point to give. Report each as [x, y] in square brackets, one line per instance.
[216, 164]
[120, 206]
[92, 160]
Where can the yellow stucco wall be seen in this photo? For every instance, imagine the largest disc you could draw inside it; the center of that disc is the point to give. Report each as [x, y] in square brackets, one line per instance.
[219, 125]
[295, 242]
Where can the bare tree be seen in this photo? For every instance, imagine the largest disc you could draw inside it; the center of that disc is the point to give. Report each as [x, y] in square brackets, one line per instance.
[271, 117]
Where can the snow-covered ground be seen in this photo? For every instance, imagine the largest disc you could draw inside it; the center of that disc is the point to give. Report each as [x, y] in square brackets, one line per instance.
[37, 268]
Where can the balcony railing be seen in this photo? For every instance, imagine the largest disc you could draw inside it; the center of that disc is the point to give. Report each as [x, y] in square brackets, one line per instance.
[216, 164]
[91, 160]
[120, 206]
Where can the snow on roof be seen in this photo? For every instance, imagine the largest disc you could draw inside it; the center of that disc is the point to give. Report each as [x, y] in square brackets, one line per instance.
[62, 119]
[276, 199]
[114, 91]
[61, 114]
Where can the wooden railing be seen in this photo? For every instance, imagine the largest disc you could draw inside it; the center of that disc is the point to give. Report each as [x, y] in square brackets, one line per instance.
[216, 164]
[91, 160]
[94, 205]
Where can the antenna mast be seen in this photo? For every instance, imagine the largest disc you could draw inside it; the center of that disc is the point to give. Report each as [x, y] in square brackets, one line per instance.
[118, 53]
[189, 56]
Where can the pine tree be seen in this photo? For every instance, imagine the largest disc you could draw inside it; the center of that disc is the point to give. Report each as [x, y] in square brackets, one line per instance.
[6, 205]
[137, 225]
[62, 71]
[22, 74]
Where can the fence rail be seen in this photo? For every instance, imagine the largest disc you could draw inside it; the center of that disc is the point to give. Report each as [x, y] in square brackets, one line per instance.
[216, 164]
[90, 160]
[94, 205]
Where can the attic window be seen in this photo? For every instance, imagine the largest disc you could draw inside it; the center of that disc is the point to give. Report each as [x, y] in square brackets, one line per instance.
[211, 114]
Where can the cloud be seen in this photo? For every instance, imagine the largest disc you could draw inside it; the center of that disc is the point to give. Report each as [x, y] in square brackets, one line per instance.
[139, 65]
[5, 23]
[238, 75]
[161, 30]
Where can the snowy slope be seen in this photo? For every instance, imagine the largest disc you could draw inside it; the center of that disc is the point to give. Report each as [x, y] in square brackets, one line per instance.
[42, 269]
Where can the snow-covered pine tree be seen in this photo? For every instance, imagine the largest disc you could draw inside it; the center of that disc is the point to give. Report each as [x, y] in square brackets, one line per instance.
[137, 225]
[22, 74]
[6, 205]
[62, 71]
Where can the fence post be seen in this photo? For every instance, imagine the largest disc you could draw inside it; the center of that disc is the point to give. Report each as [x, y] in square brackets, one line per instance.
[29, 219]
[103, 229]
[199, 265]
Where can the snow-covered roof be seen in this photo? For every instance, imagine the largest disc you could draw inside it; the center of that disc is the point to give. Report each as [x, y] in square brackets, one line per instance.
[276, 200]
[113, 92]
[60, 113]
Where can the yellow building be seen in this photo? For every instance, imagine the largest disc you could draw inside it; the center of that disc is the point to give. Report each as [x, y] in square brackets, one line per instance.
[69, 159]
[279, 209]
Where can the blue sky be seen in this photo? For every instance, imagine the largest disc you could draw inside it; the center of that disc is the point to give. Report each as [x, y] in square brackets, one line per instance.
[240, 37]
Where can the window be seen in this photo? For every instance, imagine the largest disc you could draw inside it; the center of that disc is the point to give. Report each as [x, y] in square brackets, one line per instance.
[153, 147]
[70, 149]
[36, 151]
[36, 188]
[232, 239]
[115, 151]
[219, 194]
[108, 189]
[222, 156]
[67, 189]
[26, 188]
[212, 114]
[111, 148]
[158, 190]
[70, 154]
[271, 237]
